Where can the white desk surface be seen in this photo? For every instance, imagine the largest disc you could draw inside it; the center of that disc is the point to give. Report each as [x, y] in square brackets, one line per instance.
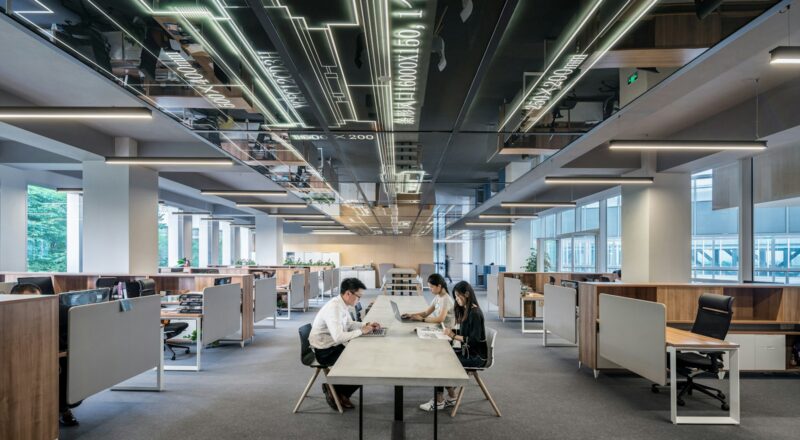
[400, 358]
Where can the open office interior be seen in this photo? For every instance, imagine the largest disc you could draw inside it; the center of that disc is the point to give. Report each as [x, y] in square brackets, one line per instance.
[390, 219]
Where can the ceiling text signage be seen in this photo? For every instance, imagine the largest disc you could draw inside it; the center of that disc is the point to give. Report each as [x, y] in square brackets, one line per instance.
[407, 37]
[552, 82]
[196, 79]
[284, 80]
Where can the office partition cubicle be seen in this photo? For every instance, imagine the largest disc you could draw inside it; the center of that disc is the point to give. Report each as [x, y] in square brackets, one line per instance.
[266, 298]
[560, 315]
[221, 314]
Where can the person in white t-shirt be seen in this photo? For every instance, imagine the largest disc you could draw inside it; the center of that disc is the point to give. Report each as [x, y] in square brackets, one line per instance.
[441, 309]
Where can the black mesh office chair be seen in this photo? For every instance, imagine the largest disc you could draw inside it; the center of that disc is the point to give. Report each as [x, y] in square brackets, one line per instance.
[714, 314]
[139, 288]
[308, 359]
[45, 284]
[110, 282]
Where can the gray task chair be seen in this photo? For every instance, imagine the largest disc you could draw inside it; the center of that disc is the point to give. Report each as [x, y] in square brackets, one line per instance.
[309, 360]
[491, 337]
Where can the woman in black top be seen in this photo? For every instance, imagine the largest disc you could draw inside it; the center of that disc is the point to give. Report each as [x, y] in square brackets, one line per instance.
[470, 334]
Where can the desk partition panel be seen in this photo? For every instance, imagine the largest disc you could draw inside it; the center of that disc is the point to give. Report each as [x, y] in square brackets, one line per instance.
[633, 335]
[327, 280]
[491, 289]
[513, 290]
[313, 281]
[297, 288]
[266, 298]
[108, 346]
[221, 312]
[559, 312]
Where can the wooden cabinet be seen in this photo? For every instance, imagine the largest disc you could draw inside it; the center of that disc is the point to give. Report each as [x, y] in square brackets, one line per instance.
[28, 367]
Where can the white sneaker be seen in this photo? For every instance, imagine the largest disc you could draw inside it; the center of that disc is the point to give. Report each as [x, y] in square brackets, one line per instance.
[428, 406]
[448, 401]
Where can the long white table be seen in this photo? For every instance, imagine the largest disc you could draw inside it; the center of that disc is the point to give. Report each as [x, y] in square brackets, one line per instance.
[399, 359]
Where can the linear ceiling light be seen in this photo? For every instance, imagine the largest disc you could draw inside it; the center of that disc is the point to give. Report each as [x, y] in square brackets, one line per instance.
[785, 55]
[271, 205]
[310, 222]
[216, 219]
[508, 216]
[688, 145]
[191, 213]
[240, 192]
[69, 190]
[323, 232]
[598, 180]
[489, 224]
[168, 161]
[321, 227]
[75, 113]
[300, 216]
[536, 204]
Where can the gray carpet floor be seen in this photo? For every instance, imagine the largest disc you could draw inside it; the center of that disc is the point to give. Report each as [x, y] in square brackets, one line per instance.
[249, 394]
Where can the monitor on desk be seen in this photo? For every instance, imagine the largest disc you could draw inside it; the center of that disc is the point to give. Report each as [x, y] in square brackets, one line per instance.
[69, 300]
[222, 281]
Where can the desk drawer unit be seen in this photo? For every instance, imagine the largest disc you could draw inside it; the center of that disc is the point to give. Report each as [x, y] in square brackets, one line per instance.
[760, 352]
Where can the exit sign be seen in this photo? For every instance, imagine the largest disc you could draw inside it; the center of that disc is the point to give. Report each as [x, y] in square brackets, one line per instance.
[633, 77]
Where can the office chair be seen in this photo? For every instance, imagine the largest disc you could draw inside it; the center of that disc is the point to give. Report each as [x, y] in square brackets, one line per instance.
[714, 314]
[110, 282]
[605, 280]
[491, 337]
[147, 287]
[45, 284]
[358, 308]
[308, 359]
[171, 331]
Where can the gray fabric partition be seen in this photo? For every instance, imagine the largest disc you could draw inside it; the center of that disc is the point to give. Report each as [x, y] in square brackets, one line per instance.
[108, 346]
[327, 280]
[313, 282]
[512, 289]
[491, 289]
[221, 312]
[297, 288]
[559, 312]
[266, 298]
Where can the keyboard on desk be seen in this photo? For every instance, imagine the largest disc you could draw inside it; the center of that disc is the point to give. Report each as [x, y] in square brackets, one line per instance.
[378, 332]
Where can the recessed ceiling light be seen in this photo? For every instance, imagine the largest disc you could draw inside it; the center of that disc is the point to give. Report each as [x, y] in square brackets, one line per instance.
[509, 216]
[271, 205]
[69, 190]
[785, 55]
[598, 180]
[168, 161]
[687, 145]
[239, 192]
[536, 204]
[75, 113]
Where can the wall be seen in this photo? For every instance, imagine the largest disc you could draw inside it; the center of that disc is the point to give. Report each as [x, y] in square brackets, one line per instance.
[354, 249]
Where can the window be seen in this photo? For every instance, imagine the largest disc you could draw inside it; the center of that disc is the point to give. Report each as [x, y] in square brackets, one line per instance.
[614, 233]
[47, 230]
[590, 216]
[715, 225]
[495, 247]
[776, 245]
[567, 221]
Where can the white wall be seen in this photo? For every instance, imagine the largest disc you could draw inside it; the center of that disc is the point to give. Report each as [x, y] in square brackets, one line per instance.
[13, 220]
[518, 245]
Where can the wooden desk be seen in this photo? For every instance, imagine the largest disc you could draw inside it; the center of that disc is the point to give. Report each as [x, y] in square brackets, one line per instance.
[400, 358]
[682, 340]
[529, 297]
[198, 320]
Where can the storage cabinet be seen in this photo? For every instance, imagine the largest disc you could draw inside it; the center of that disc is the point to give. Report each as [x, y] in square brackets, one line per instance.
[759, 352]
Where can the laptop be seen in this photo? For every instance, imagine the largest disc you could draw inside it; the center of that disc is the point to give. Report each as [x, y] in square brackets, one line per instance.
[397, 315]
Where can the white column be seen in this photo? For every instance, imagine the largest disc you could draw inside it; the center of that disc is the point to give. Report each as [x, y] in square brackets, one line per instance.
[236, 244]
[746, 220]
[174, 231]
[656, 230]
[186, 237]
[518, 245]
[74, 238]
[245, 243]
[204, 245]
[13, 220]
[120, 211]
[213, 243]
[226, 232]
[269, 240]
[601, 247]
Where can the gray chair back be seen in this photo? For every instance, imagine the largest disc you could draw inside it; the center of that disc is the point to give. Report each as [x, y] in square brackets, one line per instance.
[491, 337]
[306, 353]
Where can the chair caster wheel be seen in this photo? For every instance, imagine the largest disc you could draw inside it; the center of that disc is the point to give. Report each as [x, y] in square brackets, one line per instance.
[173, 357]
[725, 407]
[721, 395]
[681, 402]
[654, 388]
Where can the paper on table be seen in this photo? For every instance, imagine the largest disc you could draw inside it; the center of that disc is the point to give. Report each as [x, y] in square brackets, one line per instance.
[430, 333]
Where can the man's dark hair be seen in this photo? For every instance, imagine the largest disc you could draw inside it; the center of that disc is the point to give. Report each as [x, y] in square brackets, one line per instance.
[351, 285]
[26, 289]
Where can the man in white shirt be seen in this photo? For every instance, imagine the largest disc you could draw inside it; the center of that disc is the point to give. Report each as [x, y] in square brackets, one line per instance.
[332, 328]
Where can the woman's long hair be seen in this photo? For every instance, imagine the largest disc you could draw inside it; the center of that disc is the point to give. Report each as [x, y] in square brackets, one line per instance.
[438, 281]
[463, 288]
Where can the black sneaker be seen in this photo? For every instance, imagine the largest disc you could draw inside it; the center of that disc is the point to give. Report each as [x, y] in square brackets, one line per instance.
[67, 419]
[329, 398]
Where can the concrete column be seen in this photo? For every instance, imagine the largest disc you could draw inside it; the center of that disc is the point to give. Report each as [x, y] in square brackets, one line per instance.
[225, 232]
[120, 208]
[746, 220]
[518, 245]
[13, 220]
[269, 240]
[245, 243]
[74, 235]
[236, 244]
[186, 237]
[213, 243]
[174, 231]
[656, 230]
[601, 246]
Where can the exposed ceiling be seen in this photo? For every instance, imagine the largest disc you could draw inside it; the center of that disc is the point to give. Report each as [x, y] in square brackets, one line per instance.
[383, 114]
